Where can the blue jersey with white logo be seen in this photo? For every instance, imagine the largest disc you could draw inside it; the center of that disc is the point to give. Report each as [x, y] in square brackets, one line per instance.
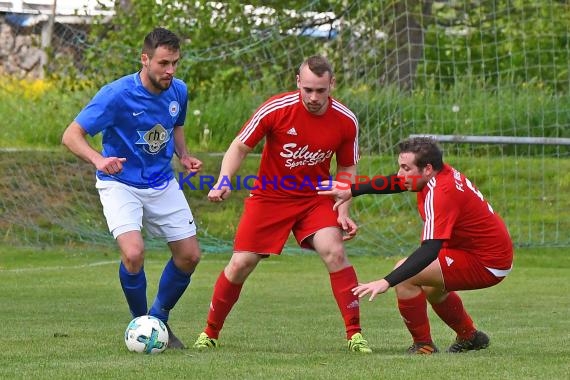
[137, 125]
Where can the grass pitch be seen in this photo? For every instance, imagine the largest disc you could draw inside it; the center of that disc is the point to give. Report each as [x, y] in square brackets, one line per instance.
[63, 317]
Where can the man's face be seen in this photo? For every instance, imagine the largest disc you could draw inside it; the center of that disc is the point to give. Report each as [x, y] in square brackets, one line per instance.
[315, 90]
[160, 69]
[414, 178]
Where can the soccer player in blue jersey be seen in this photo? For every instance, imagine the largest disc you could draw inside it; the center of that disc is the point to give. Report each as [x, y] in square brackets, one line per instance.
[141, 118]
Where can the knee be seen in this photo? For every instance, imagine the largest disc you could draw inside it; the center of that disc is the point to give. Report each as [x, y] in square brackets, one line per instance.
[188, 261]
[335, 259]
[405, 288]
[186, 254]
[132, 257]
[192, 259]
[435, 295]
[237, 268]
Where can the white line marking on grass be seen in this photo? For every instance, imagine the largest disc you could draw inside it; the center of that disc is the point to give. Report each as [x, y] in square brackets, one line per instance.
[96, 264]
[38, 269]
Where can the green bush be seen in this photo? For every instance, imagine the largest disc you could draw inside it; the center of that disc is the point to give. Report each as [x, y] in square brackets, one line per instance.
[40, 111]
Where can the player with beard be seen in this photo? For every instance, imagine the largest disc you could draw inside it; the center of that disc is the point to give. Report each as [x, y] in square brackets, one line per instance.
[141, 118]
[465, 245]
[303, 129]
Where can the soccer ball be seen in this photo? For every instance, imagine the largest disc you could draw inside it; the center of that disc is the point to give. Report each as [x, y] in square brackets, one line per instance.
[146, 335]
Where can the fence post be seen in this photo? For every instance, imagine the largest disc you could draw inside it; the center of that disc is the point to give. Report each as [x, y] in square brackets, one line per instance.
[47, 34]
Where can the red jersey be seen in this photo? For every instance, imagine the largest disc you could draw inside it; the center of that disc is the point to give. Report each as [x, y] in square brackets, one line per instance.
[299, 145]
[454, 210]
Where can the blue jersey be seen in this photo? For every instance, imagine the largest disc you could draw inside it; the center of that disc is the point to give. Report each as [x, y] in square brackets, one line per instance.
[137, 125]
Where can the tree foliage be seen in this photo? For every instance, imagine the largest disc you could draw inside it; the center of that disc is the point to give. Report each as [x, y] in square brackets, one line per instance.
[225, 43]
[230, 45]
[500, 42]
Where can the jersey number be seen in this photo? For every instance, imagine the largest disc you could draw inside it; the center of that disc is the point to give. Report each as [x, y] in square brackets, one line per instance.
[478, 194]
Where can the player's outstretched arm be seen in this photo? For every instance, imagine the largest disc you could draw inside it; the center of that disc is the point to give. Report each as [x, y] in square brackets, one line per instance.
[379, 184]
[231, 163]
[340, 191]
[373, 288]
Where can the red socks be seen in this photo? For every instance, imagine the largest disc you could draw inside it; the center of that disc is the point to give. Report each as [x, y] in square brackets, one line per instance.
[226, 295]
[414, 314]
[452, 312]
[342, 283]
[224, 298]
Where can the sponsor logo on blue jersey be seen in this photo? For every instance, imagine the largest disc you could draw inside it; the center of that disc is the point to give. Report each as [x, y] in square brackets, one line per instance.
[154, 139]
[174, 108]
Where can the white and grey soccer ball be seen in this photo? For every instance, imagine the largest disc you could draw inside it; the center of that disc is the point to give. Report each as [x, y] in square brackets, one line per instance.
[146, 335]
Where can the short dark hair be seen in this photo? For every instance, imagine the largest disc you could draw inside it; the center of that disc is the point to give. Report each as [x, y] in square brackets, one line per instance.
[425, 150]
[319, 65]
[160, 37]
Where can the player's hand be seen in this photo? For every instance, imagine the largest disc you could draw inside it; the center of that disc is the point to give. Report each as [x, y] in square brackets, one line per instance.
[191, 164]
[348, 226]
[374, 288]
[340, 191]
[219, 193]
[110, 165]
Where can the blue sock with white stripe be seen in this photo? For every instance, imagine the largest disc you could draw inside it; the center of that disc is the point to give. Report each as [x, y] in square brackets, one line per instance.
[172, 285]
[134, 287]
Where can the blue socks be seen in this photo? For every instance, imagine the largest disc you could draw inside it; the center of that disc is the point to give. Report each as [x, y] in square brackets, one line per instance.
[134, 287]
[172, 285]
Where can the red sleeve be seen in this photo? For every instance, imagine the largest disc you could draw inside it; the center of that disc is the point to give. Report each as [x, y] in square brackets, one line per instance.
[441, 211]
[263, 119]
[254, 129]
[348, 153]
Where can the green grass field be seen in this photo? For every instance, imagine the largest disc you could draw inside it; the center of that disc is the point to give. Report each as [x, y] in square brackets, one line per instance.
[64, 316]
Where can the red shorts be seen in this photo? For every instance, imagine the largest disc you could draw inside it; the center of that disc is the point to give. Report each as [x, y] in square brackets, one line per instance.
[463, 271]
[266, 222]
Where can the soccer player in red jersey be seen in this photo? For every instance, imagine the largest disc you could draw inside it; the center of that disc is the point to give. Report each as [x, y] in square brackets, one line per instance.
[465, 245]
[303, 130]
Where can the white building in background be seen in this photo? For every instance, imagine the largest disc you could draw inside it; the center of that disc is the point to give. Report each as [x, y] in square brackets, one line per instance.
[26, 13]
[30, 18]
[63, 7]
[20, 21]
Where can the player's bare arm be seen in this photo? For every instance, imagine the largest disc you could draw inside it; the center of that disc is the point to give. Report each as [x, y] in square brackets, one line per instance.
[74, 139]
[347, 224]
[190, 163]
[231, 163]
[414, 264]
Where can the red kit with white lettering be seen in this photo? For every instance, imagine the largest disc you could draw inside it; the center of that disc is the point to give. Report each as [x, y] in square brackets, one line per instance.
[299, 145]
